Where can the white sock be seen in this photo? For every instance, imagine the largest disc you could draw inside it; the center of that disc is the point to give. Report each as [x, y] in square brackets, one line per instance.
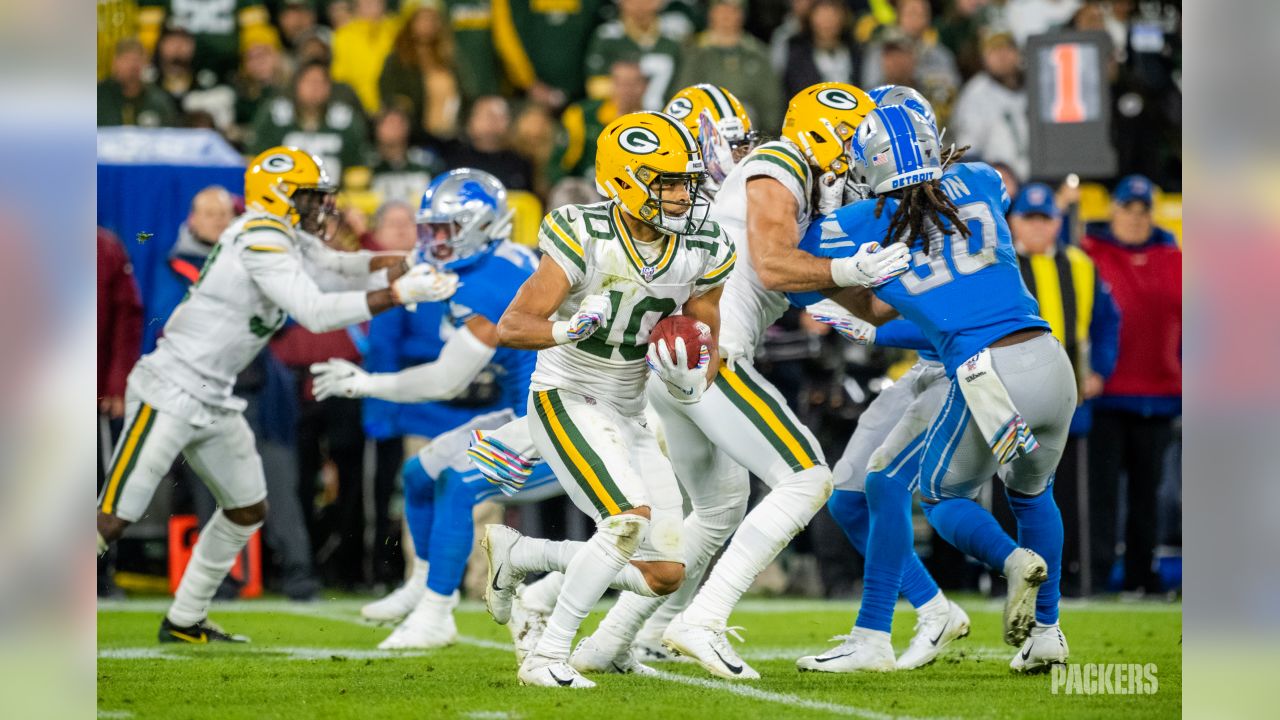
[215, 552]
[619, 627]
[874, 637]
[555, 556]
[937, 604]
[763, 534]
[540, 596]
[418, 575]
[586, 578]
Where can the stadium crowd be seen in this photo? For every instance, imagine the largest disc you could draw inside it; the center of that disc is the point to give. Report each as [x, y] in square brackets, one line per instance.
[390, 94]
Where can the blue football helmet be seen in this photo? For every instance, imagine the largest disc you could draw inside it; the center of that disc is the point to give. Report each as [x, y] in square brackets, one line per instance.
[895, 147]
[463, 211]
[887, 95]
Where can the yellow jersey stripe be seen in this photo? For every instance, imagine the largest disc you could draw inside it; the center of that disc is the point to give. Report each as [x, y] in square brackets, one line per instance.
[768, 416]
[797, 167]
[579, 462]
[565, 237]
[266, 248]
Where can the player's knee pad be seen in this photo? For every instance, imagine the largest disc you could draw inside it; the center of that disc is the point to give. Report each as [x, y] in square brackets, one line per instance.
[418, 485]
[623, 533]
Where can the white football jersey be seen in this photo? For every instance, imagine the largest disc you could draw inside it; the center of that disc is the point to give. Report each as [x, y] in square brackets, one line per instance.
[593, 246]
[260, 271]
[747, 308]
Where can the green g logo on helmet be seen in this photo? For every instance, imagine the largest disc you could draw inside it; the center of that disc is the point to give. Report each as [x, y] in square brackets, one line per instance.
[639, 140]
[838, 99]
[680, 108]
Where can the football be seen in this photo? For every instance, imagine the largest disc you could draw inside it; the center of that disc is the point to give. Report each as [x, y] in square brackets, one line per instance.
[695, 334]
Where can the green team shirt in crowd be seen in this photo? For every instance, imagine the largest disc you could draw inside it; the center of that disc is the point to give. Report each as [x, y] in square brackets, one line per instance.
[341, 139]
[151, 108]
[580, 126]
[216, 25]
[477, 61]
[658, 57]
[744, 70]
[545, 40]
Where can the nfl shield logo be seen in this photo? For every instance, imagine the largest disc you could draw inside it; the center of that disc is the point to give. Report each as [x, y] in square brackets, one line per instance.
[647, 273]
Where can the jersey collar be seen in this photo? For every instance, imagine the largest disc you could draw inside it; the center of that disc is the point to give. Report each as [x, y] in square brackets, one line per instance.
[649, 272]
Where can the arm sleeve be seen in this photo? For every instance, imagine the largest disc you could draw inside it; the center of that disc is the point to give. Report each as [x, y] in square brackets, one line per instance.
[556, 239]
[335, 270]
[1104, 331]
[280, 275]
[462, 357]
[902, 334]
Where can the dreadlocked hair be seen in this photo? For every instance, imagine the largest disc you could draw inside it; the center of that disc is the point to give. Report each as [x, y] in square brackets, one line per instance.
[923, 206]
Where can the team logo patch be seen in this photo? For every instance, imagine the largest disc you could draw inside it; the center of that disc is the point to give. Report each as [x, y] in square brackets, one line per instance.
[680, 108]
[838, 99]
[279, 163]
[647, 273]
[639, 140]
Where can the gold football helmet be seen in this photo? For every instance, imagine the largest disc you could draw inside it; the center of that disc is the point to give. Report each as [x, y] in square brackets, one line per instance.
[638, 155]
[821, 120]
[292, 185]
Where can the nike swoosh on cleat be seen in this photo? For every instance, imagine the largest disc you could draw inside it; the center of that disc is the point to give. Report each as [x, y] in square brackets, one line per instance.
[833, 657]
[615, 667]
[735, 669]
[941, 633]
[496, 574]
[563, 683]
[1026, 654]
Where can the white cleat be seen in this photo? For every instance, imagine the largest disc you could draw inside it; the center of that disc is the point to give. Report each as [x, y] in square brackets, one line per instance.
[1045, 647]
[526, 626]
[933, 633]
[648, 651]
[503, 579]
[401, 601]
[708, 646]
[590, 657]
[1026, 572]
[861, 651]
[545, 672]
[430, 625]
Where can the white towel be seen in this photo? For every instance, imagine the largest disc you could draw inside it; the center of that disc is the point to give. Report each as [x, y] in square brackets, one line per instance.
[988, 399]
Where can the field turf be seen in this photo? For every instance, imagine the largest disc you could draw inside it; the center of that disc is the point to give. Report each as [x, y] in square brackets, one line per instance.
[319, 660]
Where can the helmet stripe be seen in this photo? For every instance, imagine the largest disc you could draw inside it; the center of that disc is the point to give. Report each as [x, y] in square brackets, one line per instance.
[718, 101]
[681, 130]
[904, 151]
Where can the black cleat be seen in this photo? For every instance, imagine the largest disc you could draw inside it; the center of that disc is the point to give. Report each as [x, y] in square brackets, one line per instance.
[201, 633]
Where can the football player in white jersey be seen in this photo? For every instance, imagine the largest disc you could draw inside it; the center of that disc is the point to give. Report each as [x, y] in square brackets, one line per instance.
[609, 273]
[267, 265]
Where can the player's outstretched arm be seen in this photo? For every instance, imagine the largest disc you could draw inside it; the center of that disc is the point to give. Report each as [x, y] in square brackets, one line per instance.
[774, 238]
[526, 324]
[863, 303]
[466, 353]
[706, 308]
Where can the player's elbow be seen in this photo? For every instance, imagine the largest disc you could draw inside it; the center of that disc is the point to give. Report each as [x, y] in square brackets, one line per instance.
[772, 277]
[506, 330]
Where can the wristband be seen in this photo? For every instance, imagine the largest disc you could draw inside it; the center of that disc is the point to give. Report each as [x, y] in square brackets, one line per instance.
[560, 332]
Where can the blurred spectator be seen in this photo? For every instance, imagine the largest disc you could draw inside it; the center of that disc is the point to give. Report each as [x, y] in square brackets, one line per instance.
[486, 145]
[792, 25]
[1083, 316]
[1147, 94]
[533, 138]
[583, 121]
[262, 76]
[725, 55]
[1032, 17]
[477, 59]
[1012, 183]
[400, 171]
[825, 51]
[174, 67]
[935, 68]
[125, 98]
[296, 19]
[314, 120]
[542, 45]
[898, 59]
[991, 113]
[339, 13]
[960, 30]
[395, 227]
[219, 27]
[419, 76]
[119, 325]
[212, 210]
[361, 47]
[1134, 416]
[637, 36]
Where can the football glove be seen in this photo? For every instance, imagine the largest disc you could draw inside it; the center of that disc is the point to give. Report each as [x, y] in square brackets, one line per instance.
[591, 315]
[831, 189]
[683, 382]
[339, 378]
[423, 284]
[852, 328]
[871, 266]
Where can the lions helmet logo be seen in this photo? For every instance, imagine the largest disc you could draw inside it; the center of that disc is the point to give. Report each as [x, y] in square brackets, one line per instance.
[680, 108]
[639, 140]
[278, 163]
[838, 99]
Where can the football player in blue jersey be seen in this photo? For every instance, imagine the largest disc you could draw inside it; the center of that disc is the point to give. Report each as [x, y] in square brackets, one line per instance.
[463, 228]
[1009, 401]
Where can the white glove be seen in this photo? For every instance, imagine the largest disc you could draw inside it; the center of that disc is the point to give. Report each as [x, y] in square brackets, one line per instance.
[853, 328]
[830, 192]
[684, 383]
[871, 266]
[339, 378]
[424, 284]
[591, 315]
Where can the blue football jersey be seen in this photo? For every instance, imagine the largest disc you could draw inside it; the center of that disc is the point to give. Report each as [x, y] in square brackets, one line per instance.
[486, 287]
[966, 293]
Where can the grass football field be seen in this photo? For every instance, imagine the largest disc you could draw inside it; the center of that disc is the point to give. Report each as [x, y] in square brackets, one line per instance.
[319, 660]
